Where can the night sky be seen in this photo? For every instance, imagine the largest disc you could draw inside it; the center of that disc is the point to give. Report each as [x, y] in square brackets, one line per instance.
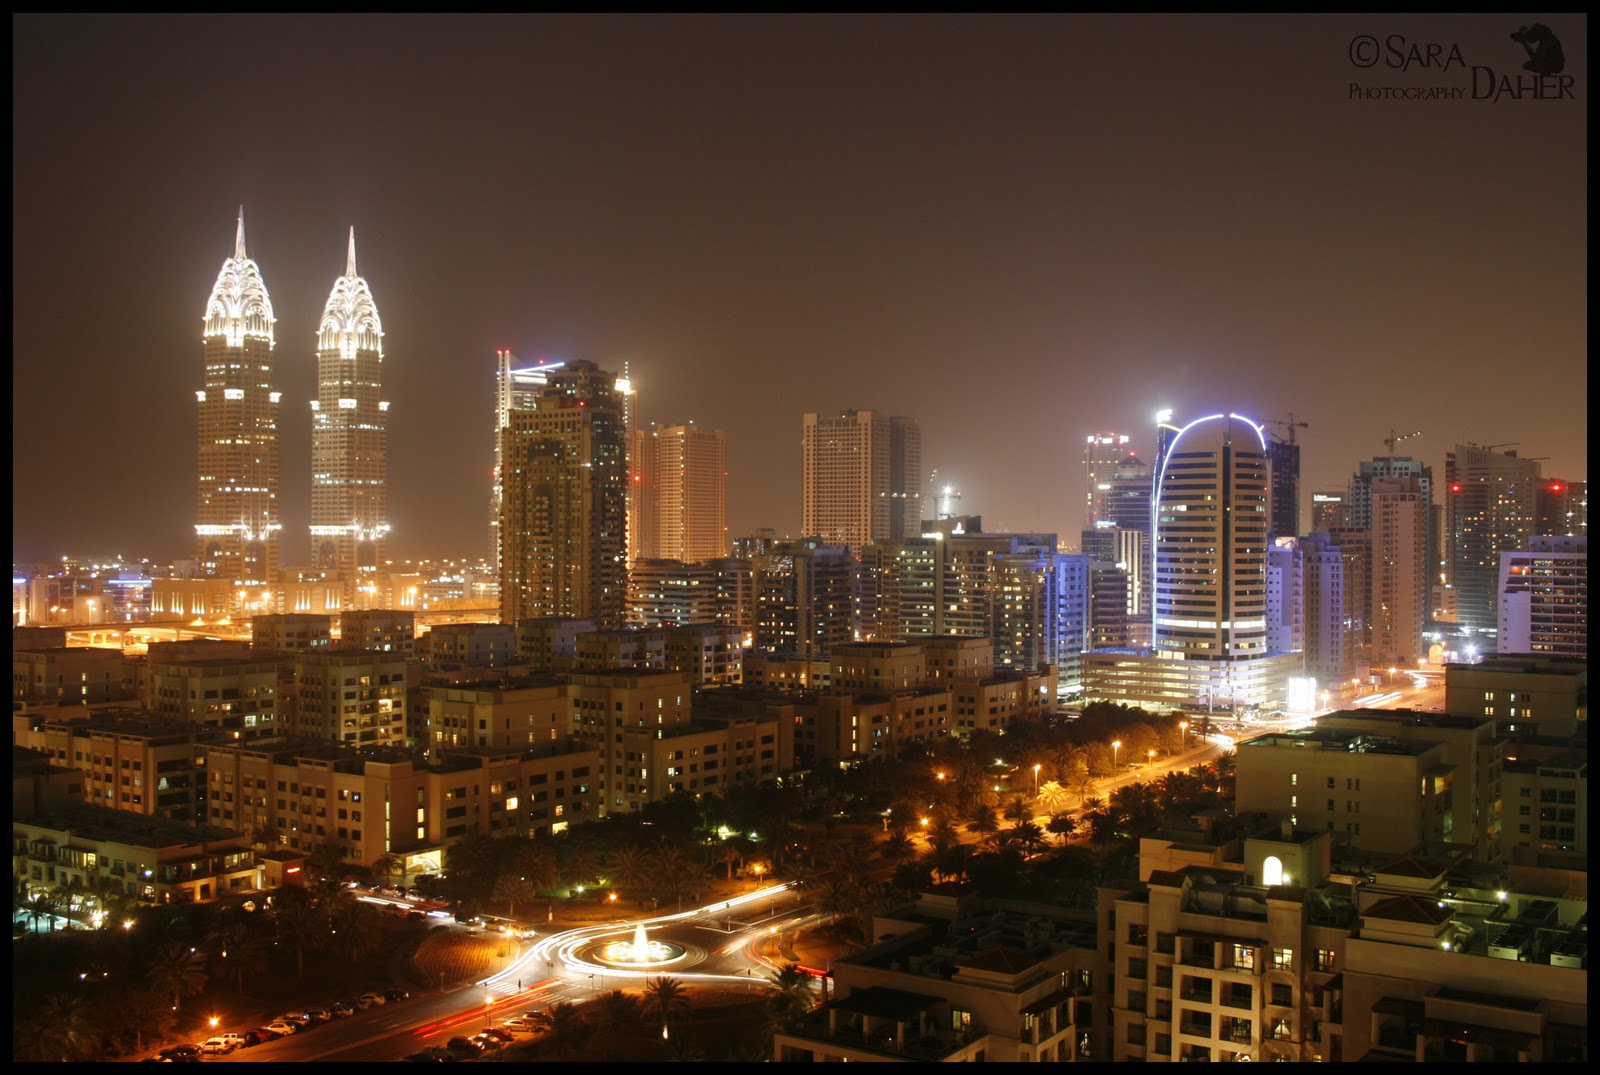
[1017, 230]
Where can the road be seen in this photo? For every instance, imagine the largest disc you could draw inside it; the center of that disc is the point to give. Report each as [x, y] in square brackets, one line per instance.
[715, 943]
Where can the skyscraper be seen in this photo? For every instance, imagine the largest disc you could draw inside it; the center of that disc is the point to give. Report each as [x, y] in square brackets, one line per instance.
[1102, 454]
[678, 480]
[1399, 611]
[514, 389]
[1285, 457]
[1211, 645]
[564, 505]
[236, 516]
[350, 436]
[1492, 506]
[1211, 542]
[861, 478]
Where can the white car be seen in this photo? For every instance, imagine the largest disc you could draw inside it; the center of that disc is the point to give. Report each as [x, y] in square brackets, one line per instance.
[373, 999]
[283, 1027]
[217, 1046]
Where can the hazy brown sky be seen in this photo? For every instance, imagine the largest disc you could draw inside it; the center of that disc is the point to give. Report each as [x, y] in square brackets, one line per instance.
[1017, 230]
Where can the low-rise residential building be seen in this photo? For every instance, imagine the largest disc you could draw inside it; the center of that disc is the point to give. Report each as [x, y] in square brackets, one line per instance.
[355, 697]
[954, 980]
[149, 859]
[291, 632]
[1521, 692]
[68, 676]
[382, 629]
[384, 801]
[129, 760]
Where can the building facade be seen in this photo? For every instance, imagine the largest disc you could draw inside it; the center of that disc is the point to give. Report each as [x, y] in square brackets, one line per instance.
[237, 525]
[350, 439]
[563, 506]
[861, 478]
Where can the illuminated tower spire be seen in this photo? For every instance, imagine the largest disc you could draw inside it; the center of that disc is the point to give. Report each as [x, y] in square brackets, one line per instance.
[236, 517]
[350, 438]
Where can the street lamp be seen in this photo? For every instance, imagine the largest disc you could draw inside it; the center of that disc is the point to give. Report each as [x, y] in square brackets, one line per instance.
[1183, 728]
[1035, 780]
[757, 867]
[1152, 757]
[613, 902]
[1116, 745]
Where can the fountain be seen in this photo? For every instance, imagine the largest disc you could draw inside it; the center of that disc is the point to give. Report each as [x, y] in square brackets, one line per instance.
[640, 952]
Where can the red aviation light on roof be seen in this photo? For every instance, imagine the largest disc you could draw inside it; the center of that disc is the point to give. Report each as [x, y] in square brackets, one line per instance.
[1557, 487]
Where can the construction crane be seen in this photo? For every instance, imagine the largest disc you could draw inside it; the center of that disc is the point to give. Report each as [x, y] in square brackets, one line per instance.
[1391, 440]
[1291, 425]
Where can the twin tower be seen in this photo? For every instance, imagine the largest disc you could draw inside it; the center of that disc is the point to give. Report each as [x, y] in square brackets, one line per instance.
[237, 525]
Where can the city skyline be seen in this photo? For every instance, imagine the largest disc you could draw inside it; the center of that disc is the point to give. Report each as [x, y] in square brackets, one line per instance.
[995, 226]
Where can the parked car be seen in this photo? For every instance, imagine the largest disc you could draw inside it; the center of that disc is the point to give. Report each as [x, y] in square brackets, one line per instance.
[487, 1041]
[396, 994]
[260, 1036]
[182, 1054]
[216, 1047]
[283, 1028]
[501, 1033]
[463, 1046]
[342, 1008]
[319, 1015]
[374, 998]
[538, 1018]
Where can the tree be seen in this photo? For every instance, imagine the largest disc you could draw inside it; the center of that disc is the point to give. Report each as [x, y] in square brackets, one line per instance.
[667, 1000]
[355, 932]
[176, 971]
[297, 924]
[1017, 810]
[60, 1030]
[1052, 797]
[236, 951]
[628, 867]
[514, 890]
[618, 1018]
[388, 867]
[794, 996]
[984, 821]
[1062, 825]
[568, 1029]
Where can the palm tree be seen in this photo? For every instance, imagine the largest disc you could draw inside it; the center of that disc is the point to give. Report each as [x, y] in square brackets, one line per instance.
[794, 996]
[1017, 810]
[177, 971]
[983, 820]
[1063, 825]
[43, 905]
[568, 1029]
[514, 889]
[729, 854]
[389, 866]
[297, 923]
[628, 866]
[354, 933]
[60, 1030]
[237, 951]
[1052, 797]
[666, 999]
[618, 1019]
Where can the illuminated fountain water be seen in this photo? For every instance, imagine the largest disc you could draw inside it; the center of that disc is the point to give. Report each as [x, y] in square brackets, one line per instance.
[640, 952]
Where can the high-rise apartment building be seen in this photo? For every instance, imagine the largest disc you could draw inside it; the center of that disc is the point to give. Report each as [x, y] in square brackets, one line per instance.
[1332, 627]
[563, 503]
[1563, 508]
[861, 478]
[1103, 453]
[1544, 598]
[1492, 506]
[350, 438]
[1285, 459]
[1400, 569]
[514, 390]
[1210, 644]
[236, 517]
[1211, 542]
[678, 485]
